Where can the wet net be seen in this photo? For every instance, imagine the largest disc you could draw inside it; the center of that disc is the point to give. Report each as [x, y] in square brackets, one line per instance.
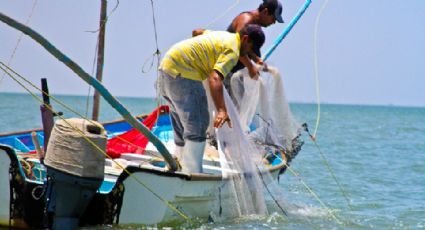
[264, 109]
[262, 126]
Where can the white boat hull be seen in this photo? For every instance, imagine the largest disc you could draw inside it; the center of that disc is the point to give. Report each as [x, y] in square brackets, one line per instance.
[151, 195]
[202, 196]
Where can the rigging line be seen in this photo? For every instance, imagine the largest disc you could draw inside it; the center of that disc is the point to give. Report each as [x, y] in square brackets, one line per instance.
[329, 168]
[179, 212]
[19, 39]
[270, 193]
[314, 135]
[151, 59]
[316, 67]
[95, 57]
[88, 102]
[62, 104]
[315, 195]
[107, 17]
[92, 73]
[341, 188]
[223, 14]
[157, 52]
[155, 29]
[310, 190]
[158, 56]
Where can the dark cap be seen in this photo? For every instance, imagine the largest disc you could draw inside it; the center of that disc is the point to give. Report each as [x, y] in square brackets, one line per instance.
[256, 36]
[275, 8]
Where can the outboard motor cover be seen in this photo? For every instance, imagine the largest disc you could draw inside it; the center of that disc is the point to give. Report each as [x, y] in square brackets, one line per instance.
[75, 170]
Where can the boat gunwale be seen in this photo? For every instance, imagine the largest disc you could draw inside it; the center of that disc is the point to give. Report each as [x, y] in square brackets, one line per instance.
[189, 176]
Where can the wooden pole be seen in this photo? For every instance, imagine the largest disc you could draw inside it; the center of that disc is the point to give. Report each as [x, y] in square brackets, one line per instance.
[96, 84]
[46, 113]
[100, 58]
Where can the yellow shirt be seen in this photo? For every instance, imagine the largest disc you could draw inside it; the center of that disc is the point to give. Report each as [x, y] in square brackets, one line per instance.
[195, 58]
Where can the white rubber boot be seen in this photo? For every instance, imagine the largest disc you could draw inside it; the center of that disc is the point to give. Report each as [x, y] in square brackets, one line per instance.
[192, 156]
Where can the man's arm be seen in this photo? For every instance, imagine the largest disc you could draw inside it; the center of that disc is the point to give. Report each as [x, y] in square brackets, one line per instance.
[216, 90]
[259, 61]
[252, 69]
[238, 23]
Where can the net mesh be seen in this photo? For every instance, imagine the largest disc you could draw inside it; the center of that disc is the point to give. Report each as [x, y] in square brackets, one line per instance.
[263, 108]
[262, 124]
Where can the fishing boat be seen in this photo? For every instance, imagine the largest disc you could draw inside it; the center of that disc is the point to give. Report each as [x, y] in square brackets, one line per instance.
[144, 192]
[142, 186]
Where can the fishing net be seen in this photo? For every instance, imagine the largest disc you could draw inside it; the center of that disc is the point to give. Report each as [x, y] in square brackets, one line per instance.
[263, 108]
[262, 126]
[238, 160]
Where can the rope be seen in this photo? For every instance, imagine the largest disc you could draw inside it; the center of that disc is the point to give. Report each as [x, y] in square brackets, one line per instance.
[316, 68]
[92, 73]
[157, 52]
[223, 14]
[309, 190]
[344, 193]
[19, 40]
[102, 25]
[314, 135]
[270, 193]
[107, 18]
[329, 167]
[155, 30]
[179, 212]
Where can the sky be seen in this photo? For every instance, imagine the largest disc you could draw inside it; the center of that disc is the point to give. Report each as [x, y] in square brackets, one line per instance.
[368, 52]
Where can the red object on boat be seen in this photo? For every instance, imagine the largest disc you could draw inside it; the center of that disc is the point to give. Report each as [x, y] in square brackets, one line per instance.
[133, 141]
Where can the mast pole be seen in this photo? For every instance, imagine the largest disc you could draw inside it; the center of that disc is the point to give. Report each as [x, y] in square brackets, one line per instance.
[100, 58]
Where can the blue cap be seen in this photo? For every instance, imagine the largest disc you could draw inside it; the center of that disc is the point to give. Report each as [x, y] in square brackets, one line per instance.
[275, 8]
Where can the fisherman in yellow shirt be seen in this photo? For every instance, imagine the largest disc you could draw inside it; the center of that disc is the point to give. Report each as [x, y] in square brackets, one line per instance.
[210, 56]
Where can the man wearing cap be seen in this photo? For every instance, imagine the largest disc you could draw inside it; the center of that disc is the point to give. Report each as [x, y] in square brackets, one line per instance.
[210, 56]
[265, 15]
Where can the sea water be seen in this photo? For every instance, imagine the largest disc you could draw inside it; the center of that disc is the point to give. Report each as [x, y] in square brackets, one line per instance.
[377, 154]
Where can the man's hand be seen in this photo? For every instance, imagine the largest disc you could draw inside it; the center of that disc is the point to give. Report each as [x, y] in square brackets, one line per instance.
[216, 90]
[221, 118]
[260, 61]
[254, 72]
